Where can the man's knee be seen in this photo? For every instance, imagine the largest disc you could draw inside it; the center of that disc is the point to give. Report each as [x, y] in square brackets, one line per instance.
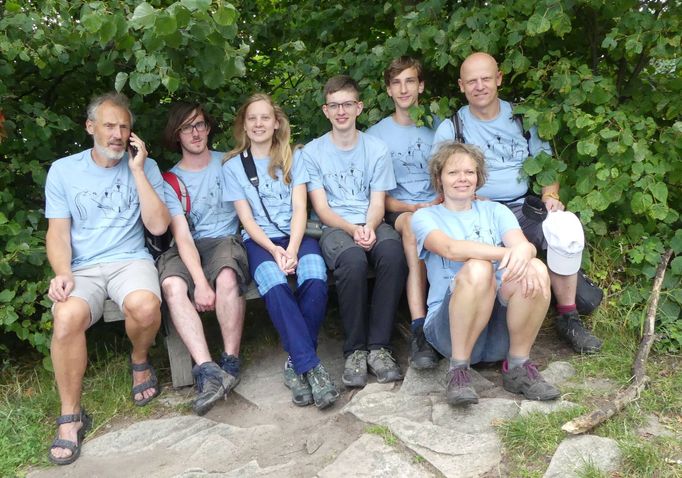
[142, 306]
[475, 273]
[351, 263]
[70, 318]
[227, 281]
[390, 253]
[174, 288]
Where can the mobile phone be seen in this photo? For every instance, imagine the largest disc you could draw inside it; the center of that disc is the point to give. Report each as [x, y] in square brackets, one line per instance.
[133, 149]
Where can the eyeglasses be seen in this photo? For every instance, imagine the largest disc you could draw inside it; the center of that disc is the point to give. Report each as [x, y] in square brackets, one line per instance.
[346, 105]
[201, 126]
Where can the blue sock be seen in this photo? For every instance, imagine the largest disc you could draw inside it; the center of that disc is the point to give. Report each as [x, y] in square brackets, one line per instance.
[417, 324]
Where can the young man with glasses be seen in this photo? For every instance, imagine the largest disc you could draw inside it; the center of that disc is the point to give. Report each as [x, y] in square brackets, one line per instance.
[410, 148]
[350, 173]
[206, 269]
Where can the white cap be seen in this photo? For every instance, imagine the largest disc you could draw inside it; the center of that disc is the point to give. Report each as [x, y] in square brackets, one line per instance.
[565, 242]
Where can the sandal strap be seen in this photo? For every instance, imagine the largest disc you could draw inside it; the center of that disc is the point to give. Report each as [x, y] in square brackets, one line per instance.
[63, 443]
[141, 367]
[76, 417]
[151, 383]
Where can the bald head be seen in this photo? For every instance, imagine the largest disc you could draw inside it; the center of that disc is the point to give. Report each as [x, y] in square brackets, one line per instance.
[479, 79]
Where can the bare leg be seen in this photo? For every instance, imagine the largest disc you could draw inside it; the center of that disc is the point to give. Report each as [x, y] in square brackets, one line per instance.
[230, 308]
[142, 310]
[416, 271]
[564, 287]
[69, 359]
[470, 306]
[525, 314]
[186, 318]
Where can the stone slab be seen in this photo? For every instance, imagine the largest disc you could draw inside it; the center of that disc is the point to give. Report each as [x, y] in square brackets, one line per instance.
[574, 454]
[380, 407]
[477, 418]
[433, 381]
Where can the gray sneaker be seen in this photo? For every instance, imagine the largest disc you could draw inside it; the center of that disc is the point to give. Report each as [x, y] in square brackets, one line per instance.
[324, 390]
[211, 382]
[301, 393]
[527, 380]
[355, 369]
[459, 391]
[382, 364]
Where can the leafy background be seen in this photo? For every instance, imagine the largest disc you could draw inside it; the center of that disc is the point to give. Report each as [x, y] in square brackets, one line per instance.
[601, 81]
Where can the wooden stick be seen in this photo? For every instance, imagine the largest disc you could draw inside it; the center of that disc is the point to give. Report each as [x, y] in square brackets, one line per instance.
[588, 421]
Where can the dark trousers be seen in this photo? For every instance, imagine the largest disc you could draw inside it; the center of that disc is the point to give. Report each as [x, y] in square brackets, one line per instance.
[366, 326]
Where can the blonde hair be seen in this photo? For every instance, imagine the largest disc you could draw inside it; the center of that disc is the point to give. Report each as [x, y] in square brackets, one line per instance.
[281, 156]
[448, 149]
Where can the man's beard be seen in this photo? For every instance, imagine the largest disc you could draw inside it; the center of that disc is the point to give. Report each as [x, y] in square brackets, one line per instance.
[108, 153]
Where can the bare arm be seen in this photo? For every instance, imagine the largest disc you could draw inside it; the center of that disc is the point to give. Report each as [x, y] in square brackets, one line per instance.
[394, 205]
[318, 198]
[299, 217]
[155, 215]
[550, 196]
[375, 211]
[204, 296]
[58, 246]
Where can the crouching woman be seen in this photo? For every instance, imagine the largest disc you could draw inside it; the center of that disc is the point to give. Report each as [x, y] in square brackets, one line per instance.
[475, 253]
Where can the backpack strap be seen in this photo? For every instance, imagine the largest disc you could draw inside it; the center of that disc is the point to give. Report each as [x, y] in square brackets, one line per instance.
[457, 123]
[180, 190]
[250, 169]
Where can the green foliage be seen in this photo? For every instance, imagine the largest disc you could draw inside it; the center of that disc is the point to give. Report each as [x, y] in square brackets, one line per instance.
[600, 80]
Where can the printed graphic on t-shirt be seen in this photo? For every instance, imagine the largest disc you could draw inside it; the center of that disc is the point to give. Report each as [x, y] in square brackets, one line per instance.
[413, 163]
[348, 184]
[115, 205]
[209, 209]
[506, 150]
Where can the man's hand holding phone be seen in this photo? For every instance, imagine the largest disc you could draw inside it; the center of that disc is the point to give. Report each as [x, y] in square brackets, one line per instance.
[137, 152]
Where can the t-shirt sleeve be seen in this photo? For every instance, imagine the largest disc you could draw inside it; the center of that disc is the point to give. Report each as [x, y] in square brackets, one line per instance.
[233, 190]
[56, 202]
[299, 173]
[445, 132]
[537, 145]
[423, 224]
[151, 170]
[505, 219]
[383, 176]
[170, 197]
[313, 170]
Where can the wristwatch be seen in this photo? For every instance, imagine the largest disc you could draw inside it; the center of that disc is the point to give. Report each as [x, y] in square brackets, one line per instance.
[552, 195]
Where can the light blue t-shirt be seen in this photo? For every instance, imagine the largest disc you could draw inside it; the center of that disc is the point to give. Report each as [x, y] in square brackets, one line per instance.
[275, 194]
[410, 148]
[103, 205]
[504, 146]
[210, 214]
[486, 222]
[349, 177]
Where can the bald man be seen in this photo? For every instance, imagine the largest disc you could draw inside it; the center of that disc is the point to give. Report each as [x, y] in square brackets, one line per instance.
[488, 122]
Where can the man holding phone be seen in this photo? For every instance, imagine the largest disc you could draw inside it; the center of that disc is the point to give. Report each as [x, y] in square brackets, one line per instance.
[97, 202]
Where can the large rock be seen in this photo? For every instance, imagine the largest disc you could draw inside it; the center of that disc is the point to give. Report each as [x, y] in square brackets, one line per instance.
[250, 469]
[558, 372]
[574, 454]
[454, 454]
[425, 382]
[370, 456]
[380, 407]
[550, 406]
[478, 418]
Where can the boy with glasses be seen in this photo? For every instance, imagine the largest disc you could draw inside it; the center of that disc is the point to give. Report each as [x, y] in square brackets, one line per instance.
[410, 148]
[350, 173]
[206, 269]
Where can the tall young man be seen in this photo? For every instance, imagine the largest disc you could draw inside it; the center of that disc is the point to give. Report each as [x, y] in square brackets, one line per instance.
[410, 148]
[96, 204]
[350, 173]
[206, 269]
[488, 122]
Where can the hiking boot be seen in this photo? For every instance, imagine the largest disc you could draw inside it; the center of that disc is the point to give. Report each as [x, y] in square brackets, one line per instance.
[211, 382]
[527, 380]
[422, 355]
[382, 364]
[232, 365]
[459, 391]
[301, 393]
[355, 369]
[324, 391]
[570, 328]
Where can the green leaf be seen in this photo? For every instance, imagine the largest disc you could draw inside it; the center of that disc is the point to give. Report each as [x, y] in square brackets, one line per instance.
[537, 24]
[532, 166]
[7, 295]
[588, 146]
[561, 24]
[608, 133]
[193, 5]
[108, 30]
[144, 83]
[225, 15]
[676, 266]
[171, 83]
[144, 16]
[660, 192]
[120, 82]
[641, 202]
[548, 125]
[676, 242]
[92, 22]
[165, 25]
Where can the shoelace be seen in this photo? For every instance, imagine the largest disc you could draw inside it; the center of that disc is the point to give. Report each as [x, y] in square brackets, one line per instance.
[531, 370]
[385, 357]
[460, 377]
[357, 359]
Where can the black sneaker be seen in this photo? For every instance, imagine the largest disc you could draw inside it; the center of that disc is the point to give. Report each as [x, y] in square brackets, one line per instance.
[526, 379]
[422, 355]
[211, 382]
[459, 391]
[383, 366]
[570, 328]
[232, 365]
[324, 390]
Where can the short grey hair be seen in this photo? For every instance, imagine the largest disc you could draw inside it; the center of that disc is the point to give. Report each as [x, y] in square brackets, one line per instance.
[114, 97]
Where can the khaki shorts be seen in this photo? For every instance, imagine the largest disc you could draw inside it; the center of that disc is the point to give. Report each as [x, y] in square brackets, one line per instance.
[216, 254]
[115, 280]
